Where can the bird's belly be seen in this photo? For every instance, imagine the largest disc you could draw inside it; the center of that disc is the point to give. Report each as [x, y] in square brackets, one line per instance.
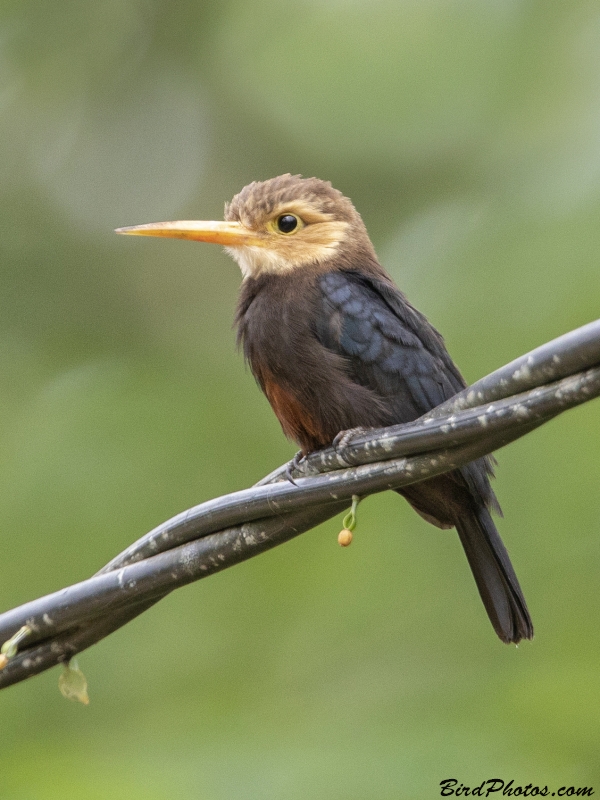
[297, 422]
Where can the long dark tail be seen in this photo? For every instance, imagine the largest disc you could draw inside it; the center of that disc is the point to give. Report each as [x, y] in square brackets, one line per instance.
[494, 576]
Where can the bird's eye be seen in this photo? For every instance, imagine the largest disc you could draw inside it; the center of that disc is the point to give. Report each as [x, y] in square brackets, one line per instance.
[287, 223]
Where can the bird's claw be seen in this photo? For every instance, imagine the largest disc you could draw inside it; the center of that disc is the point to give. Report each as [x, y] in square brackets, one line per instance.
[343, 439]
[293, 465]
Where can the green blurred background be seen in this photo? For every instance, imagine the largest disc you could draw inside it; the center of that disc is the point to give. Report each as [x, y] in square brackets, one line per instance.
[467, 132]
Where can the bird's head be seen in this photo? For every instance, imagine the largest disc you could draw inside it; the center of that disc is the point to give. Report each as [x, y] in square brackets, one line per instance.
[279, 225]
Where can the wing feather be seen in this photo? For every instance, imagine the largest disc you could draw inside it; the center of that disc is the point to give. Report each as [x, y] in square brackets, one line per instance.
[391, 348]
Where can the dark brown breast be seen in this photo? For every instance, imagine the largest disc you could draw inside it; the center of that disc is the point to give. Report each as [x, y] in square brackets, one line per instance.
[307, 385]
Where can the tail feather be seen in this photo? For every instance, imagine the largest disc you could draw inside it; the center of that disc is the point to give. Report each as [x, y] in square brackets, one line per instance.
[494, 576]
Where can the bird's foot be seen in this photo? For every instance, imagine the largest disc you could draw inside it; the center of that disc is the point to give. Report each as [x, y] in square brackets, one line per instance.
[343, 439]
[293, 465]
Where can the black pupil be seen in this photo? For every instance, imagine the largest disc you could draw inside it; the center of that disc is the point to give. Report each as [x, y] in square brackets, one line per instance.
[287, 223]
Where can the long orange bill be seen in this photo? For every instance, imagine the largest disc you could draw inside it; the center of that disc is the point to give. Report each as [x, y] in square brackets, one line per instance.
[227, 233]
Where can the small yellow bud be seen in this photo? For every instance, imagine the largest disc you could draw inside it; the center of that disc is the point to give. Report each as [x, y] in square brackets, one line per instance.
[345, 537]
[3, 661]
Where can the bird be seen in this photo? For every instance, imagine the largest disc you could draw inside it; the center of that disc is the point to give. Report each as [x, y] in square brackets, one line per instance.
[335, 345]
